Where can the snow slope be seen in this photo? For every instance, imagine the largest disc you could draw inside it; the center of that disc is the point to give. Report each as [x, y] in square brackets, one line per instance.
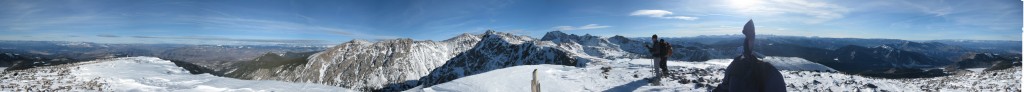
[628, 75]
[136, 74]
[795, 64]
[499, 50]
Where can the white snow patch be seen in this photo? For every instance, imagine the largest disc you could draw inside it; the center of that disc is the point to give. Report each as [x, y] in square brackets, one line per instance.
[795, 64]
[154, 74]
[975, 69]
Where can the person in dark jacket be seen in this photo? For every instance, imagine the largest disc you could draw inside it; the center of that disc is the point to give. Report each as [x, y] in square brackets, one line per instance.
[748, 74]
[666, 51]
[660, 51]
[656, 52]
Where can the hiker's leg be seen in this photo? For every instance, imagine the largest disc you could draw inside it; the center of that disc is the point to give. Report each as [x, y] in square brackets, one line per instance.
[664, 66]
[657, 68]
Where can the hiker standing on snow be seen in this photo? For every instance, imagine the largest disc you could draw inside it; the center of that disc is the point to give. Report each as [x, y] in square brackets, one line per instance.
[666, 50]
[748, 74]
[660, 50]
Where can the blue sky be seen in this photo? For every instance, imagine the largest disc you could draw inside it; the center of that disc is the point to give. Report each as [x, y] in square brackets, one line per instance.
[336, 21]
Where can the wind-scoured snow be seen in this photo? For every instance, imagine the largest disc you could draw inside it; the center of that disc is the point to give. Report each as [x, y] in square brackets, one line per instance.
[620, 75]
[146, 74]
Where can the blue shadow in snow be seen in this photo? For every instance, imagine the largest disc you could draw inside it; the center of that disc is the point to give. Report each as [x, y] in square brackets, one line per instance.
[628, 87]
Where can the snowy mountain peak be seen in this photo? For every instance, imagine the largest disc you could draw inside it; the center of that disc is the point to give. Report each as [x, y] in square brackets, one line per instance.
[553, 34]
[506, 37]
[463, 38]
[369, 66]
[489, 32]
[359, 41]
[560, 37]
[618, 37]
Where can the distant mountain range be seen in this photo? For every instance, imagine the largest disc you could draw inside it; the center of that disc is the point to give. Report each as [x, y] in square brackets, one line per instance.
[399, 64]
[27, 54]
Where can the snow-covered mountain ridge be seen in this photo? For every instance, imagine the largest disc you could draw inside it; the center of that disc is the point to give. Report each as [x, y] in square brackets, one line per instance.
[365, 65]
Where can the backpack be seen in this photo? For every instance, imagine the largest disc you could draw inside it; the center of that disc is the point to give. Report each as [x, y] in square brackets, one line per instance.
[666, 48]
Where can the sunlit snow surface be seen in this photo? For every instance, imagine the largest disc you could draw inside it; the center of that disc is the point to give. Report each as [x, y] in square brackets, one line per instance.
[145, 74]
[628, 75]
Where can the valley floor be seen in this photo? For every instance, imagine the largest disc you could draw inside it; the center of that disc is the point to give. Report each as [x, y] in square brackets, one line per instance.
[629, 75]
[146, 74]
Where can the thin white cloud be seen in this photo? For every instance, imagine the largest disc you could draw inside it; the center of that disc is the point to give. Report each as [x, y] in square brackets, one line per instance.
[584, 27]
[660, 14]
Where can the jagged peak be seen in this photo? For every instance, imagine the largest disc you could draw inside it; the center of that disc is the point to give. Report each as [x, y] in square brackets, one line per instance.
[467, 34]
[506, 37]
[561, 35]
[619, 37]
[359, 41]
[464, 37]
[490, 32]
[555, 35]
[363, 41]
[556, 32]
